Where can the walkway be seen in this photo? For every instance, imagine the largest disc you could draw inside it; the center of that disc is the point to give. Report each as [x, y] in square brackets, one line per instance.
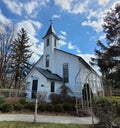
[47, 119]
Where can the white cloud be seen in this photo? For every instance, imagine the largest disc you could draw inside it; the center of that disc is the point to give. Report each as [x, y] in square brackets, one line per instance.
[30, 6]
[96, 25]
[103, 2]
[94, 14]
[37, 52]
[95, 19]
[36, 23]
[62, 37]
[80, 7]
[64, 4]
[73, 47]
[17, 7]
[62, 43]
[70, 46]
[4, 20]
[56, 16]
[14, 6]
[72, 6]
[63, 33]
[102, 37]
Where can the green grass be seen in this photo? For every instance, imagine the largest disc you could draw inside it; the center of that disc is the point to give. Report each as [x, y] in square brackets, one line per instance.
[11, 124]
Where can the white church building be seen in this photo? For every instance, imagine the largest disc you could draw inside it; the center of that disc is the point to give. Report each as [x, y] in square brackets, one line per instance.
[56, 67]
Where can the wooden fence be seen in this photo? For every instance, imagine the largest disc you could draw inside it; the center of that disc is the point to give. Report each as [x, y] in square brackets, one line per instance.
[12, 92]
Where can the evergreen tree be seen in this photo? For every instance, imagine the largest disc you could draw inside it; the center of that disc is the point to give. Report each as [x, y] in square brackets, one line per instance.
[20, 56]
[108, 57]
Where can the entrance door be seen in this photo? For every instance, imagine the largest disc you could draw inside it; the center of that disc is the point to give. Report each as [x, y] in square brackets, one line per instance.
[34, 88]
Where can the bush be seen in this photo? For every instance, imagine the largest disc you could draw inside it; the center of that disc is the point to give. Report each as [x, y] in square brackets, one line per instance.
[22, 101]
[59, 98]
[67, 107]
[50, 107]
[18, 107]
[2, 100]
[106, 109]
[30, 106]
[59, 108]
[42, 107]
[6, 107]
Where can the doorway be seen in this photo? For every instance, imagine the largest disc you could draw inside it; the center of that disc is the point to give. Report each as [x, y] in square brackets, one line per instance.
[34, 88]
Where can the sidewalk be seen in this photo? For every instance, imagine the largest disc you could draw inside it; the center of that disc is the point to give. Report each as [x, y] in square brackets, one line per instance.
[47, 119]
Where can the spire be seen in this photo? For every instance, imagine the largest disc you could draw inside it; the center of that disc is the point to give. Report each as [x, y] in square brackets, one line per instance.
[51, 31]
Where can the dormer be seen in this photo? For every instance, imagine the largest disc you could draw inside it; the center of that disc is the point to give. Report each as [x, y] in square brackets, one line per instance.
[50, 40]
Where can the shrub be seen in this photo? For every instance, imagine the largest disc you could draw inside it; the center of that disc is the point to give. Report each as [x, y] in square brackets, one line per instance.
[118, 110]
[67, 107]
[59, 98]
[22, 101]
[59, 108]
[42, 107]
[6, 107]
[2, 100]
[18, 107]
[50, 107]
[56, 98]
[106, 110]
[30, 106]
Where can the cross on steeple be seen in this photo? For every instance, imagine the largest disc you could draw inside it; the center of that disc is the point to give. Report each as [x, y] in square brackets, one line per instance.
[51, 21]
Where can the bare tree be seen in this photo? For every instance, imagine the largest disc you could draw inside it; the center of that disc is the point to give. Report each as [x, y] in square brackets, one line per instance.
[6, 36]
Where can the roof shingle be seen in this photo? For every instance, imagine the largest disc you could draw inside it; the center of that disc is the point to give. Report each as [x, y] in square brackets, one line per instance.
[48, 74]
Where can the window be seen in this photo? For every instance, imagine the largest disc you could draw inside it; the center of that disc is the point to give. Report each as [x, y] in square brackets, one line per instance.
[55, 42]
[47, 43]
[28, 85]
[47, 61]
[65, 73]
[52, 86]
[42, 85]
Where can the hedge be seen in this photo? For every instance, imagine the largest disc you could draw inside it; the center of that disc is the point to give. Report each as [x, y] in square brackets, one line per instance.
[107, 110]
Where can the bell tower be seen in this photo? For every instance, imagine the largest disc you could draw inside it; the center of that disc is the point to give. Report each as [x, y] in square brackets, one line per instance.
[50, 43]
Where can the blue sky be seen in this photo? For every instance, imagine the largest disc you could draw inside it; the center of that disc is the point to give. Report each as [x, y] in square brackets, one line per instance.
[77, 22]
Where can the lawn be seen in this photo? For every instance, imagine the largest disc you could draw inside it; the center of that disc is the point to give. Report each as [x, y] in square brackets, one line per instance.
[7, 124]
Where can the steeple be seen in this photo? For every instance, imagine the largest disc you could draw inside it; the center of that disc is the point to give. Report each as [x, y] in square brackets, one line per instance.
[50, 44]
[51, 31]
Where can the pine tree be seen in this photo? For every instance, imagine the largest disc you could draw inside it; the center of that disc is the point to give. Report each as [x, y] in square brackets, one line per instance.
[21, 54]
[108, 57]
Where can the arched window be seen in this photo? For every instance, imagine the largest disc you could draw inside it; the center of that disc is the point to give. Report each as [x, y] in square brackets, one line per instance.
[47, 61]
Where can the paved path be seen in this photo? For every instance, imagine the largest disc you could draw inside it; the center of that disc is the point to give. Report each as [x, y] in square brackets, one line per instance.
[46, 118]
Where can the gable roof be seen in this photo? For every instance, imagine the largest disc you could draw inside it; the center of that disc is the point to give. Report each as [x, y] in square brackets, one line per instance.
[51, 31]
[80, 59]
[48, 74]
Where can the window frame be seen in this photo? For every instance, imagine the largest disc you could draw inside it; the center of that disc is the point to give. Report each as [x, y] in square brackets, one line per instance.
[47, 61]
[52, 87]
[66, 72]
[55, 42]
[47, 42]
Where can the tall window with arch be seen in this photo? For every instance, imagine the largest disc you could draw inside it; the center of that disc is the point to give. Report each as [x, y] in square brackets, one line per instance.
[47, 61]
